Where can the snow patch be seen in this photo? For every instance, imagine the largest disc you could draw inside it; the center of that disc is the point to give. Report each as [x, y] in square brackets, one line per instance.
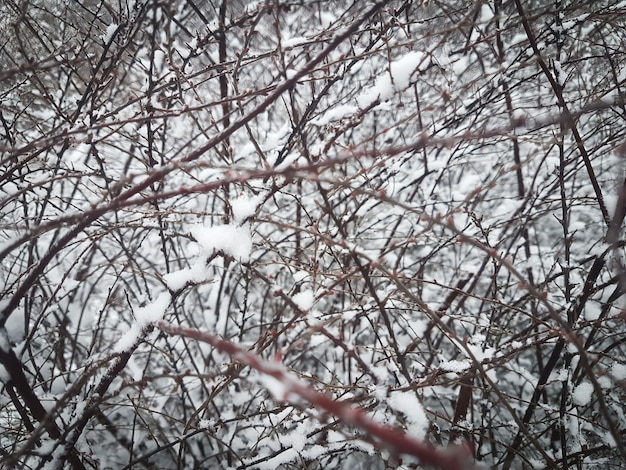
[4, 375]
[618, 371]
[206, 424]
[408, 404]
[244, 207]
[327, 19]
[300, 276]
[581, 395]
[461, 65]
[592, 312]
[304, 300]
[15, 326]
[296, 438]
[110, 31]
[5, 342]
[278, 389]
[455, 366]
[294, 42]
[399, 77]
[233, 240]
[486, 14]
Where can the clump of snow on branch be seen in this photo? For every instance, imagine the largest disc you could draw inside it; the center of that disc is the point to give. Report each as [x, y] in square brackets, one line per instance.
[398, 78]
[144, 316]
[244, 207]
[582, 394]
[110, 31]
[408, 404]
[197, 274]
[304, 300]
[455, 366]
[233, 240]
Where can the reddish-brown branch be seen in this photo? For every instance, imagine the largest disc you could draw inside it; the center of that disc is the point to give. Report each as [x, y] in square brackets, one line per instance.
[397, 441]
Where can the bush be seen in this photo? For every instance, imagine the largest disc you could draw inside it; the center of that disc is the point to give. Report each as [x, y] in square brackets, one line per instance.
[290, 234]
